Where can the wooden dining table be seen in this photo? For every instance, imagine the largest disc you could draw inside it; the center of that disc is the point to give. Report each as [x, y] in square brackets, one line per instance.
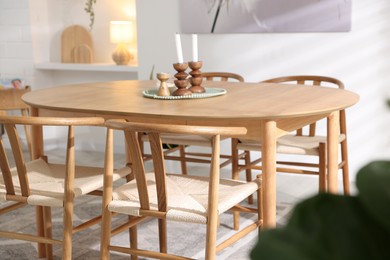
[267, 110]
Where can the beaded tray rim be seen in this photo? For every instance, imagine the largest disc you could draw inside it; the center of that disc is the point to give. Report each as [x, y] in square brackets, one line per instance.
[210, 92]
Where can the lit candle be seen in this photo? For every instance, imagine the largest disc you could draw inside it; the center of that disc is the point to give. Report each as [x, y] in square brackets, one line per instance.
[194, 47]
[179, 51]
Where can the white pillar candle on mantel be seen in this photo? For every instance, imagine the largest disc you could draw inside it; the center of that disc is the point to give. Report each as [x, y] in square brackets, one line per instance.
[194, 47]
[179, 50]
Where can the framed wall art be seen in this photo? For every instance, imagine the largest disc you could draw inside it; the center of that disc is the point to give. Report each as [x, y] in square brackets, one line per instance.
[265, 16]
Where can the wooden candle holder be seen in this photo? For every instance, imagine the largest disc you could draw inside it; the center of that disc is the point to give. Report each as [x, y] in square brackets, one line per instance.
[181, 82]
[163, 90]
[196, 77]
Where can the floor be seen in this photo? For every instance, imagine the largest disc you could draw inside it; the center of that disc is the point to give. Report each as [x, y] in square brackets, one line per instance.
[290, 190]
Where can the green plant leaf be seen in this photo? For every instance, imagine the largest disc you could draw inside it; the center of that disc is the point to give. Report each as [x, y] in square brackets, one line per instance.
[336, 227]
[151, 76]
[373, 182]
[89, 8]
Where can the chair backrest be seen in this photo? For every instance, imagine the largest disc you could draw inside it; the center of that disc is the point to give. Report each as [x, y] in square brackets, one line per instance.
[222, 76]
[311, 80]
[154, 133]
[10, 123]
[11, 99]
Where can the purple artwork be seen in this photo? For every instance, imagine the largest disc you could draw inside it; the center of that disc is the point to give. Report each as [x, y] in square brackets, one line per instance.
[262, 16]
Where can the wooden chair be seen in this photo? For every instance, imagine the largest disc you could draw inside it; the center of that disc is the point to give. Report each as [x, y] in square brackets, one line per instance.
[11, 99]
[173, 197]
[301, 143]
[181, 143]
[221, 76]
[42, 183]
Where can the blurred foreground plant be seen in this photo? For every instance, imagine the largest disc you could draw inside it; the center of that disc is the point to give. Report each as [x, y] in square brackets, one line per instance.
[333, 227]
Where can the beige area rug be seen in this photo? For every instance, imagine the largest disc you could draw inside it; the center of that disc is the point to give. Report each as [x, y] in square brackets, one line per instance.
[183, 238]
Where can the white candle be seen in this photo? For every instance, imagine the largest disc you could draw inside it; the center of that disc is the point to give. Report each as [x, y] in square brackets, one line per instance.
[194, 47]
[179, 51]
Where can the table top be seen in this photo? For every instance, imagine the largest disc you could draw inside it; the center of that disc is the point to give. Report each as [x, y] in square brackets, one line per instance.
[242, 100]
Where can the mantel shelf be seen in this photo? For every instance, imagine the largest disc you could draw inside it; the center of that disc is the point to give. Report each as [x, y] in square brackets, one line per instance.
[108, 67]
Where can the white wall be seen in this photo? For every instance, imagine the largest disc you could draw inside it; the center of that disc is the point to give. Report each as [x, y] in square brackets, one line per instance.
[359, 58]
[16, 56]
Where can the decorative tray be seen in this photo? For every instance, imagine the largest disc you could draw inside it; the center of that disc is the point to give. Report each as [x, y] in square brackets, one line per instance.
[210, 92]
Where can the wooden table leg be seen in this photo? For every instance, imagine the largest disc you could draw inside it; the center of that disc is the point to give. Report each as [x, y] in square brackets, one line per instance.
[333, 134]
[268, 152]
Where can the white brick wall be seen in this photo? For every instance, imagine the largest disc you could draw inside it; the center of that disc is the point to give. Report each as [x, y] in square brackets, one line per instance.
[16, 51]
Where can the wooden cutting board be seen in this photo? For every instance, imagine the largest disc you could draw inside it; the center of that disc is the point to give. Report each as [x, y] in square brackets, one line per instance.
[76, 45]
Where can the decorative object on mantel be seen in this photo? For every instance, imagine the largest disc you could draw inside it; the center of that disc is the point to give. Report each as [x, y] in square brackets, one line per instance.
[76, 45]
[163, 89]
[121, 32]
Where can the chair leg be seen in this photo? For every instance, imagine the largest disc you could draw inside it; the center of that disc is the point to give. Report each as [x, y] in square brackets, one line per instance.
[141, 144]
[248, 173]
[322, 167]
[260, 204]
[346, 180]
[133, 239]
[183, 161]
[235, 159]
[211, 238]
[48, 228]
[236, 220]
[69, 197]
[28, 134]
[67, 231]
[345, 167]
[40, 230]
[162, 233]
[105, 235]
[235, 176]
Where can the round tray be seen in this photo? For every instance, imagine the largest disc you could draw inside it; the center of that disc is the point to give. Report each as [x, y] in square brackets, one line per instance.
[210, 92]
